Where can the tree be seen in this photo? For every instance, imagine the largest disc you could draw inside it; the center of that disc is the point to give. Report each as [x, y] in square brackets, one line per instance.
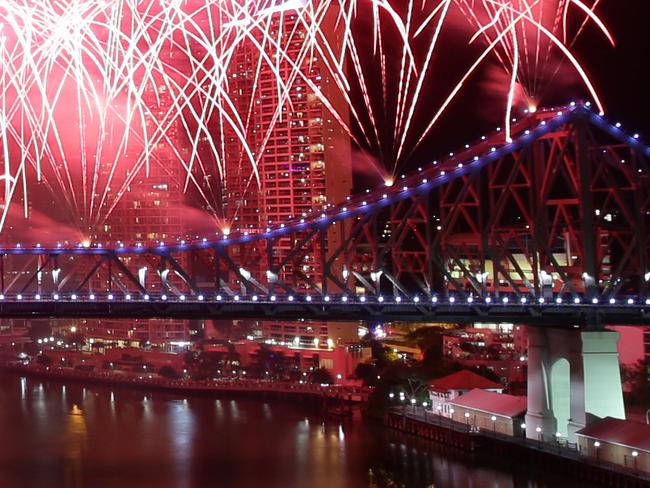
[168, 372]
[76, 339]
[44, 360]
[321, 376]
[487, 373]
[269, 361]
[637, 378]
[232, 356]
[201, 364]
[367, 373]
[430, 341]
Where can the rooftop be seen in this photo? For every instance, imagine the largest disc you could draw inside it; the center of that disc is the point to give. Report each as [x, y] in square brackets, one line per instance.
[493, 403]
[464, 380]
[617, 431]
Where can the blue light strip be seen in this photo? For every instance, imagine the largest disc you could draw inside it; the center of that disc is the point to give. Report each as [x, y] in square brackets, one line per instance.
[414, 185]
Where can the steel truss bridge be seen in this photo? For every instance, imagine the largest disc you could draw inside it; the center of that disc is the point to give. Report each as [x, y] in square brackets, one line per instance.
[549, 229]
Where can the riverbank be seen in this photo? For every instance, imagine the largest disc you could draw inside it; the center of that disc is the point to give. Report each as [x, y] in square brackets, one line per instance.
[540, 455]
[238, 387]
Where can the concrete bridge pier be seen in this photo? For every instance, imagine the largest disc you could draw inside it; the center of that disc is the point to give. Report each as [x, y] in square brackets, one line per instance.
[573, 378]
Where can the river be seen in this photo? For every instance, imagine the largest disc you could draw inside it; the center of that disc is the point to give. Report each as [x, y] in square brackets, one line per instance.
[67, 435]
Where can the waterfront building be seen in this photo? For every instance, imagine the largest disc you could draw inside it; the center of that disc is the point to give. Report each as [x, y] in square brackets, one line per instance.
[488, 410]
[445, 390]
[340, 360]
[617, 441]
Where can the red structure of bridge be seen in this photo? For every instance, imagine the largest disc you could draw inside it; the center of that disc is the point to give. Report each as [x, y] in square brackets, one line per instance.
[551, 228]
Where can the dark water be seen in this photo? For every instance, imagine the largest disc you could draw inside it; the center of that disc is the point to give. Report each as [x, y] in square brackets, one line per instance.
[54, 435]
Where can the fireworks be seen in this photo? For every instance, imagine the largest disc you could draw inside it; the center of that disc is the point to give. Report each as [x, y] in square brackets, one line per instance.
[91, 90]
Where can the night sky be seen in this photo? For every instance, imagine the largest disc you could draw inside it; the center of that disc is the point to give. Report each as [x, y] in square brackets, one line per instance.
[620, 75]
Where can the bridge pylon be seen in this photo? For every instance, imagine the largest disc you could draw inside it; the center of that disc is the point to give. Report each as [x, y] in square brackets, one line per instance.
[573, 379]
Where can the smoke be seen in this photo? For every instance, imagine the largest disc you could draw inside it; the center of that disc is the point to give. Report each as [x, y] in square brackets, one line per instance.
[39, 228]
[368, 166]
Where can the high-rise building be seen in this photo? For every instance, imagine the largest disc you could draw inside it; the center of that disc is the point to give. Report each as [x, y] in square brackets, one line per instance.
[302, 156]
[152, 208]
[302, 153]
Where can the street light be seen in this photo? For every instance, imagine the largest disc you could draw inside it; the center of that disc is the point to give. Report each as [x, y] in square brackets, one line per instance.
[413, 402]
[596, 446]
[424, 409]
[523, 430]
[467, 418]
[558, 439]
[539, 433]
[635, 455]
[494, 423]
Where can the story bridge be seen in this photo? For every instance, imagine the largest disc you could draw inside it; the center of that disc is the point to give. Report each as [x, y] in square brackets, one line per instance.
[549, 229]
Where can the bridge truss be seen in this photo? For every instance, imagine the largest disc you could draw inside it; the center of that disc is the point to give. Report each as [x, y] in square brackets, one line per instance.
[551, 228]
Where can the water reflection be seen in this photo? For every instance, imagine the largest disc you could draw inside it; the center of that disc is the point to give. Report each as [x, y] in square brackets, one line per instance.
[101, 438]
[74, 441]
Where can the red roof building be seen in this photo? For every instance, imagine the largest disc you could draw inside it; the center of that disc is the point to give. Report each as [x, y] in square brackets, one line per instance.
[445, 389]
[617, 441]
[486, 410]
[464, 380]
[493, 403]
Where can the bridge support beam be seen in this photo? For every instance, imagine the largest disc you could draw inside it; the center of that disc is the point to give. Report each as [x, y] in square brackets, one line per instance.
[573, 378]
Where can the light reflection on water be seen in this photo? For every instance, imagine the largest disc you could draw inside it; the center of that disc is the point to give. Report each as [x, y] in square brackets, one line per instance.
[96, 437]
